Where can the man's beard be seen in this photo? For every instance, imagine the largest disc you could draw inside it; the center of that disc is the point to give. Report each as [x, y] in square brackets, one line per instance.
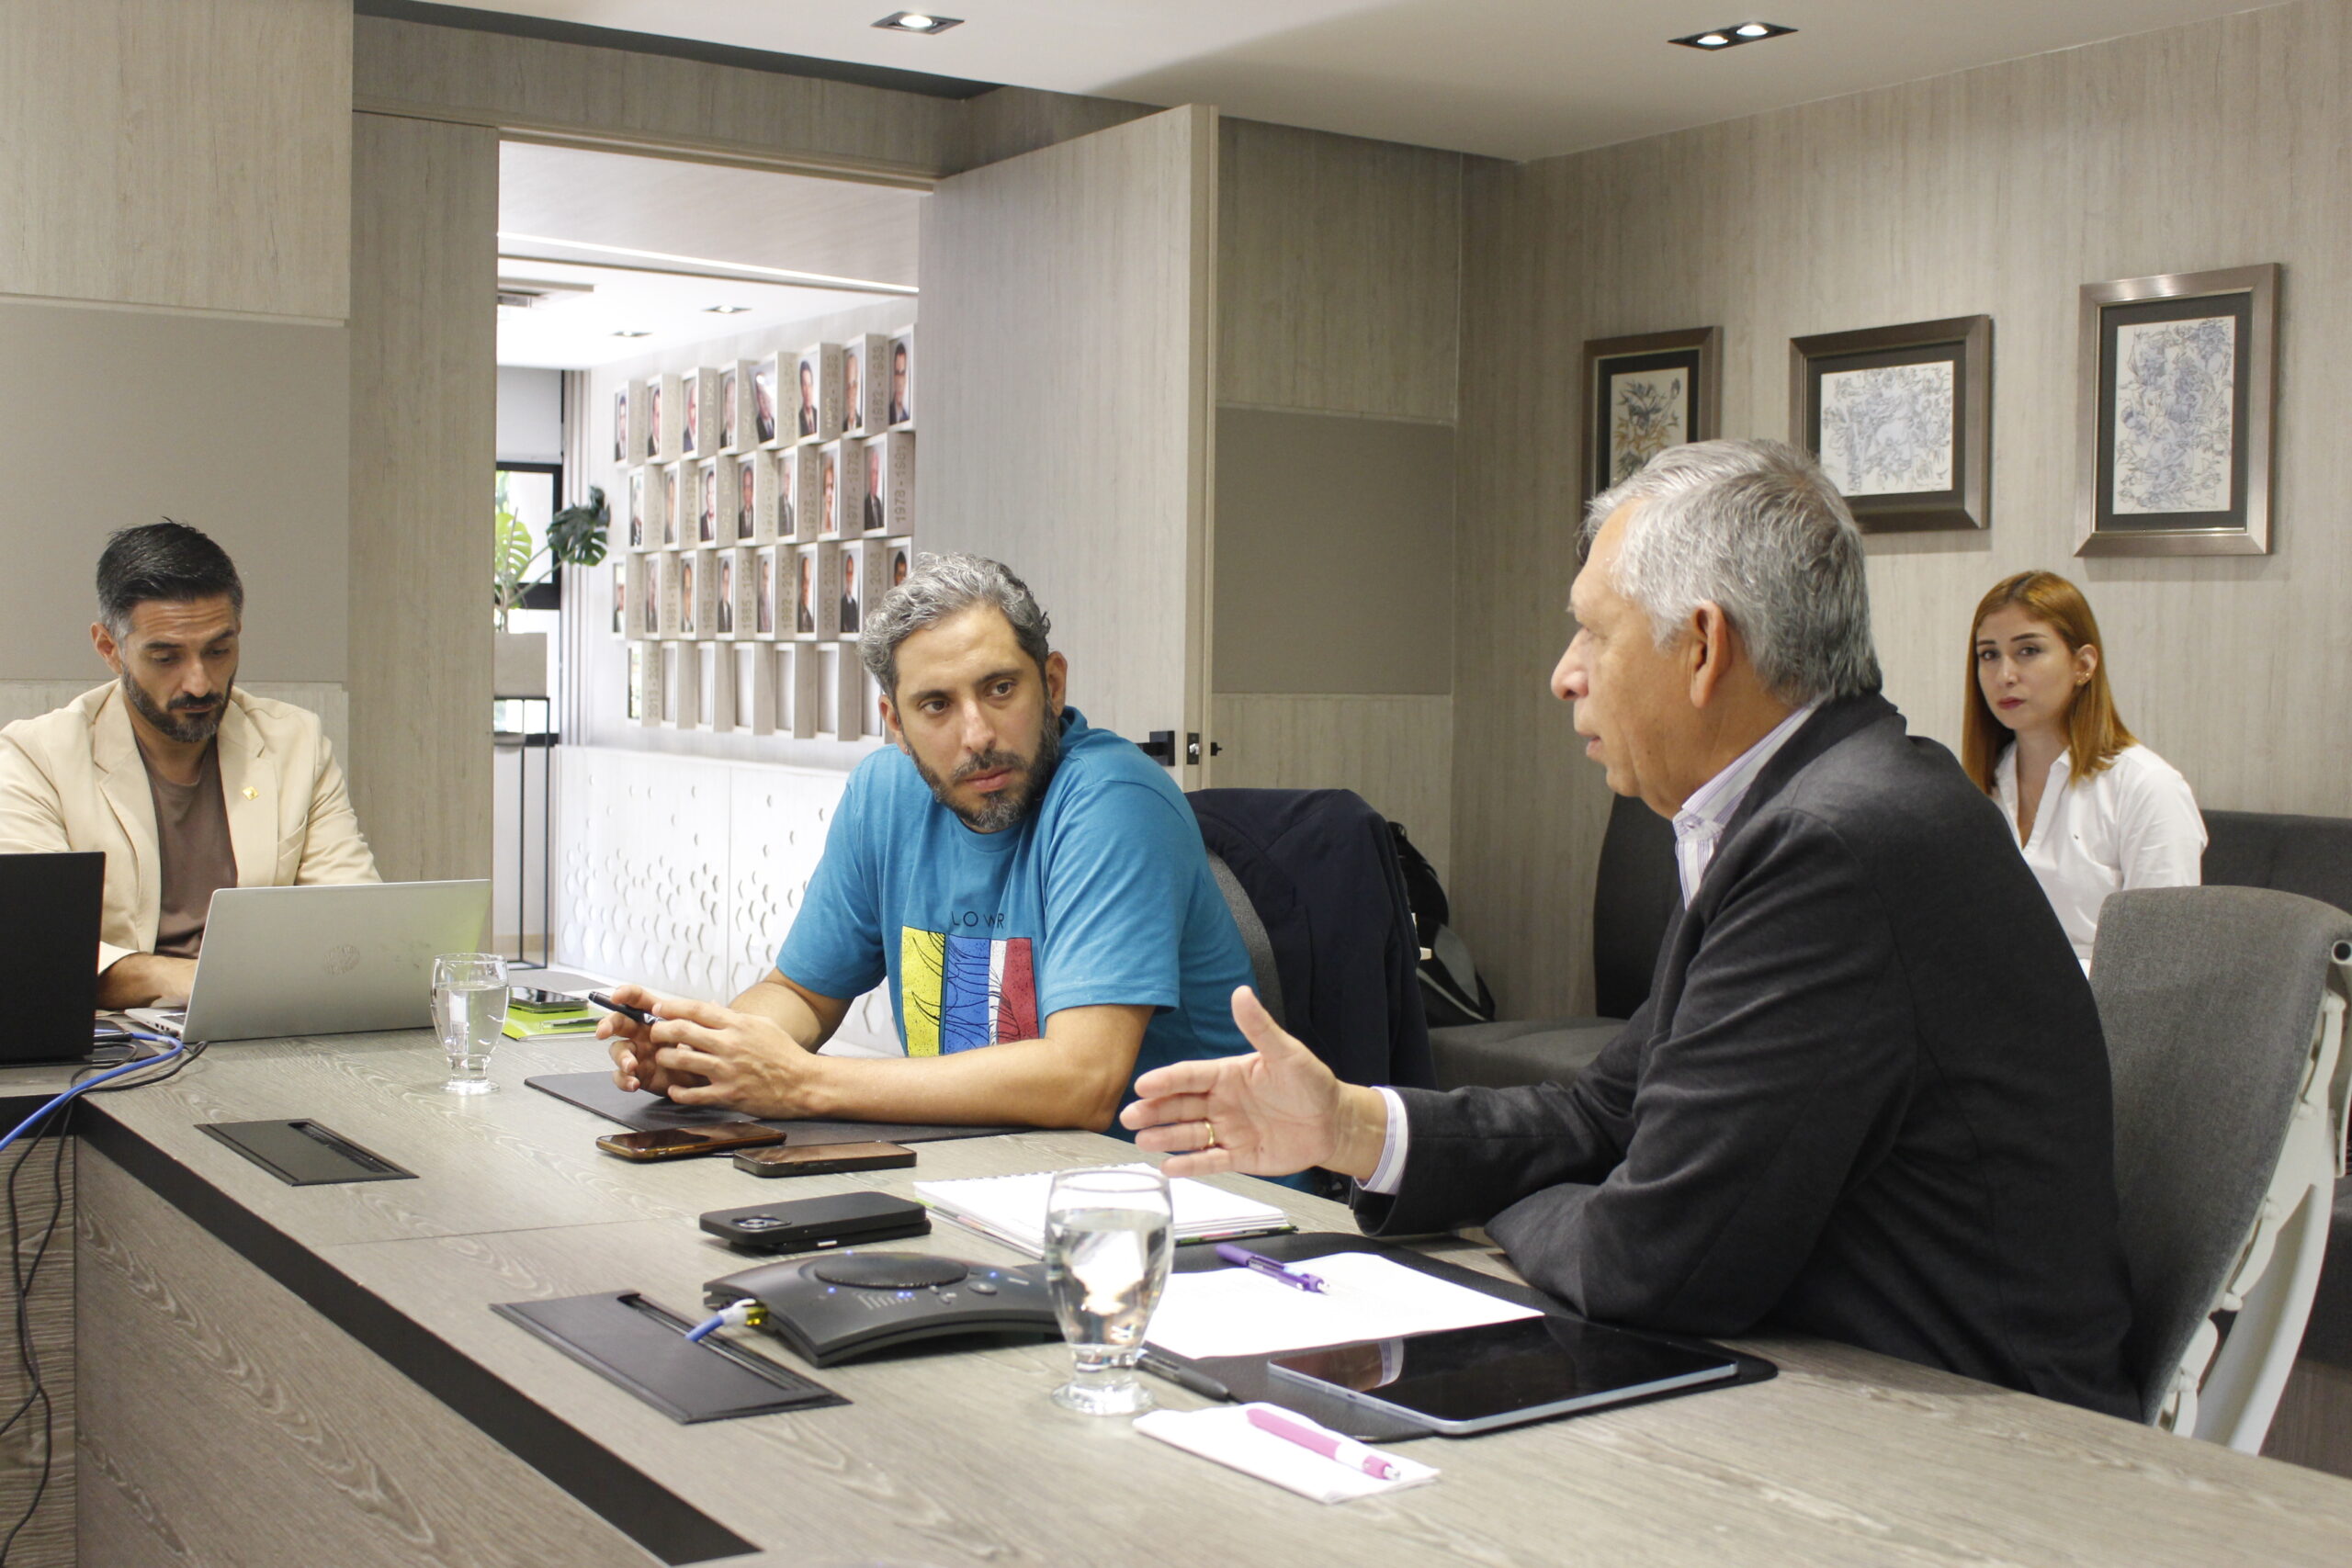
[190, 729]
[1010, 804]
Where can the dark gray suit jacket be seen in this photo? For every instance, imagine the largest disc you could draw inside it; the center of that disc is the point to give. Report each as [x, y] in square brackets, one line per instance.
[1867, 1099]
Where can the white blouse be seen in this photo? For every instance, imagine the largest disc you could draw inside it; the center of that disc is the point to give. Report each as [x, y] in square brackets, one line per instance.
[2133, 824]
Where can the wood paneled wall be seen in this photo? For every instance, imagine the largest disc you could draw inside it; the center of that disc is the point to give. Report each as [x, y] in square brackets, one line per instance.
[1396, 751]
[423, 396]
[1338, 290]
[193, 153]
[1339, 273]
[1998, 190]
[1067, 308]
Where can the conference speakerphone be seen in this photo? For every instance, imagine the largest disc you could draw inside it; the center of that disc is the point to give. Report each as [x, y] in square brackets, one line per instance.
[846, 1305]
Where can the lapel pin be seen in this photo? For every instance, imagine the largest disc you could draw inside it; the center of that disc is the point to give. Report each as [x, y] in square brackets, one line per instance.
[251, 793]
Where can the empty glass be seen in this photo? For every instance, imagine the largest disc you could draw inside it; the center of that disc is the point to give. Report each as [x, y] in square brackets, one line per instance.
[468, 1011]
[1107, 1250]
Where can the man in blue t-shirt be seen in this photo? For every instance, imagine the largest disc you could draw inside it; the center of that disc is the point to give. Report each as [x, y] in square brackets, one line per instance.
[1033, 889]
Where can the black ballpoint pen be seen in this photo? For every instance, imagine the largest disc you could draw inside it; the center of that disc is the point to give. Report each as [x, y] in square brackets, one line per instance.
[1183, 1377]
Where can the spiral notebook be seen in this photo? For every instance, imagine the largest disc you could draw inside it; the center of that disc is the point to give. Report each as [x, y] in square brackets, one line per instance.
[1012, 1209]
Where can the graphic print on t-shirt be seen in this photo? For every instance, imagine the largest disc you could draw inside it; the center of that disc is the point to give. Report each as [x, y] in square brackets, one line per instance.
[957, 993]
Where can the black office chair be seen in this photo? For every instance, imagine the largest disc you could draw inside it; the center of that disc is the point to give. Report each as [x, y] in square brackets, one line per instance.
[1312, 879]
[1633, 900]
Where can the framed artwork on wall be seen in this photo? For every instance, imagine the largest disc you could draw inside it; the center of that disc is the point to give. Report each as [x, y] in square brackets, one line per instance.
[2174, 435]
[1645, 394]
[1901, 419]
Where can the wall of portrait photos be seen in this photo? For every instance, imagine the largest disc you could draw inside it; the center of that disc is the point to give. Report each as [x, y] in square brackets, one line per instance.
[763, 494]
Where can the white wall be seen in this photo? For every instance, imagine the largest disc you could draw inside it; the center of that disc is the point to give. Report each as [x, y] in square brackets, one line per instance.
[530, 415]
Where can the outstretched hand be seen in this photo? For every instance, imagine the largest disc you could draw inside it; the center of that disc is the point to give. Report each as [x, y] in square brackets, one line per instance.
[1276, 1110]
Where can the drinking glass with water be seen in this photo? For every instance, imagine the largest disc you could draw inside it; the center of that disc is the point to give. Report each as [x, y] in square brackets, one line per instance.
[1108, 1237]
[468, 1010]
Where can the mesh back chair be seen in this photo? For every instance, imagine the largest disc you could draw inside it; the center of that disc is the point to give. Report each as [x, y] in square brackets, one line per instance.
[2223, 1008]
[1635, 896]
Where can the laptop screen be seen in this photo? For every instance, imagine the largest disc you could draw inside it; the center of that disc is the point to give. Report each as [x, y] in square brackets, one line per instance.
[48, 953]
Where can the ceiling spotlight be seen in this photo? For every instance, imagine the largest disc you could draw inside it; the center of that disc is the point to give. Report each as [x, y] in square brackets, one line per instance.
[633, 334]
[918, 22]
[725, 310]
[1729, 38]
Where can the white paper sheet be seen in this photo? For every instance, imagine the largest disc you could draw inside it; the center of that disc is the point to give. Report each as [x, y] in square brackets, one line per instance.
[1236, 1311]
[1222, 1433]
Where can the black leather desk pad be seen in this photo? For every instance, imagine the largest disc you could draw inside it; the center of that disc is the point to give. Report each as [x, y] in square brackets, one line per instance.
[303, 1153]
[650, 1112]
[1247, 1378]
[644, 1349]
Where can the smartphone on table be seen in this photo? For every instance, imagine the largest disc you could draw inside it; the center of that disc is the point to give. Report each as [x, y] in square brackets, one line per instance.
[824, 1160]
[682, 1143]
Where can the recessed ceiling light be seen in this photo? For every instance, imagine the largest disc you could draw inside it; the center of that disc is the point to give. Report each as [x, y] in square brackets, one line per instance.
[918, 22]
[633, 334]
[725, 310]
[1731, 38]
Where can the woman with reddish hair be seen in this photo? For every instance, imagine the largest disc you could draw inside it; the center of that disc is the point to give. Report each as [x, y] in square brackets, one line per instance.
[2094, 811]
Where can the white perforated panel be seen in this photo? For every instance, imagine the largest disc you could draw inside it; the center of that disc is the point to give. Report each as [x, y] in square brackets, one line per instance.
[685, 874]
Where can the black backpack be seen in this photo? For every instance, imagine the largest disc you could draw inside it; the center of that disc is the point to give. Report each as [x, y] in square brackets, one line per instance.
[1453, 991]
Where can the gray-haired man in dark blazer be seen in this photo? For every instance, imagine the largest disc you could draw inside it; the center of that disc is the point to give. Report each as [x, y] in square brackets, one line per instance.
[1867, 1097]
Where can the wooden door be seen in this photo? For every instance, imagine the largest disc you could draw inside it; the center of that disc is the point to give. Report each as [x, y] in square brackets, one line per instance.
[1063, 396]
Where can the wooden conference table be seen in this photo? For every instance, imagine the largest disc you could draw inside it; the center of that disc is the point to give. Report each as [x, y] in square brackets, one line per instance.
[275, 1375]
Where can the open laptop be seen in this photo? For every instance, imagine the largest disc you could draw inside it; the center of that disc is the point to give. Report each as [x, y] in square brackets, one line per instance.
[323, 960]
[48, 954]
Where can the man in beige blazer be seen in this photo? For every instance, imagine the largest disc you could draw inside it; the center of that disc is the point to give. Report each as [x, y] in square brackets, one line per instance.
[186, 783]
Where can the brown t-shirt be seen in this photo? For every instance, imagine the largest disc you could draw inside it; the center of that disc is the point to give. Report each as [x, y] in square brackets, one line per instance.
[192, 834]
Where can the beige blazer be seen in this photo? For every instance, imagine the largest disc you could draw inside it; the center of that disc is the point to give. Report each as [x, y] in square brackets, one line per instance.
[72, 779]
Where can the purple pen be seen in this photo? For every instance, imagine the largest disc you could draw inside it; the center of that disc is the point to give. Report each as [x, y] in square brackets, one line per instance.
[1257, 1263]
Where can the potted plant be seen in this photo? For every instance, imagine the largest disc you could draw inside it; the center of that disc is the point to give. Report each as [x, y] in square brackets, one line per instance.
[575, 537]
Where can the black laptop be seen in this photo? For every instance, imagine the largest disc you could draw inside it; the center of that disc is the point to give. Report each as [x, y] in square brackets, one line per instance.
[48, 954]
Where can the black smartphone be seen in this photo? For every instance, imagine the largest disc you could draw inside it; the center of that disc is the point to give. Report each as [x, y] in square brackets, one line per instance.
[824, 1160]
[530, 999]
[806, 1224]
[682, 1143]
[625, 1011]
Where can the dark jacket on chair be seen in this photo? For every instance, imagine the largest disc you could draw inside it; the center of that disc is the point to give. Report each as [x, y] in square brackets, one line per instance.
[1319, 866]
[1867, 1097]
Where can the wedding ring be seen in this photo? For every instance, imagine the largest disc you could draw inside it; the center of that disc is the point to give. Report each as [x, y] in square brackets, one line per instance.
[1208, 1130]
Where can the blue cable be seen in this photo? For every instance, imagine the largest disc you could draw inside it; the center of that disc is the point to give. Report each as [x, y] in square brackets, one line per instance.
[140, 1066]
[732, 1316]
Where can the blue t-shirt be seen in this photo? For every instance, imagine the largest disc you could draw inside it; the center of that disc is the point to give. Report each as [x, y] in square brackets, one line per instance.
[1101, 894]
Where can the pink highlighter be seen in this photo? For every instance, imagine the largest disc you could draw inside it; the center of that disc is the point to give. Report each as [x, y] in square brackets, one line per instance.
[1345, 1451]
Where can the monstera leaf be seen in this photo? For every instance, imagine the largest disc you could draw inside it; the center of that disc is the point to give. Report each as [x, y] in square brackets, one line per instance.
[576, 534]
[510, 558]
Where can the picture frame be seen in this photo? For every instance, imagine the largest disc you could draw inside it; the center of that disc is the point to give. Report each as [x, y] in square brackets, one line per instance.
[2177, 435]
[1901, 419]
[1644, 394]
[898, 402]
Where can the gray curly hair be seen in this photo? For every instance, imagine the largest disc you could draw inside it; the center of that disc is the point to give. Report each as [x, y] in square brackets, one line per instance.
[936, 588]
[1757, 528]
